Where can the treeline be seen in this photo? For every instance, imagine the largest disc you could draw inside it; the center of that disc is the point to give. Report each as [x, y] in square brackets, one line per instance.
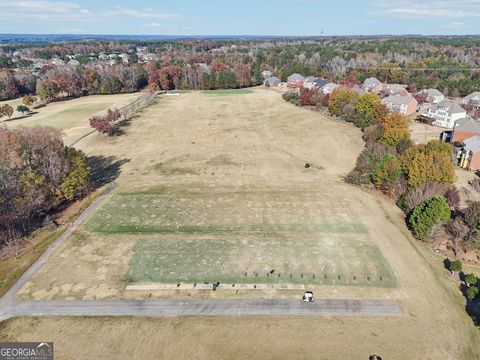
[37, 174]
[205, 64]
[16, 84]
[419, 178]
[54, 82]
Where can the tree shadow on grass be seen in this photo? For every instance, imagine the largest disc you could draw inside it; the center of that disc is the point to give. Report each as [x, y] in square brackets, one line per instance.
[105, 169]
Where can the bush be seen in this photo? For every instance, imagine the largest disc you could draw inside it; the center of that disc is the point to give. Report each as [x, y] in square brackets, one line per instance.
[23, 109]
[455, 266]
[385, 173]
[453, 197]
[106, 124]
[291, 97]
[472, 293]
[417, 195]
[471, 279]
[428, 214]
[458, 229]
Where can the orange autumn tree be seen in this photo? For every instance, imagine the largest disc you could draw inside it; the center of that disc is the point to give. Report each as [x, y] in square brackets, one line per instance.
[431, 162]
[395, 129]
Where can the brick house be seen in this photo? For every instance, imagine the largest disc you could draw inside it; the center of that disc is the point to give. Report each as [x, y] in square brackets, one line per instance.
[464, 129]
[469, 156]
[295, 81]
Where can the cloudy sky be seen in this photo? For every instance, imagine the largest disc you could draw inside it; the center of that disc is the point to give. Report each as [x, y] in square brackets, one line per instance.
[241, 17]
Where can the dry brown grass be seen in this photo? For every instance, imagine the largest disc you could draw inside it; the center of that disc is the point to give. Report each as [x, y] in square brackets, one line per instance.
[252, 142]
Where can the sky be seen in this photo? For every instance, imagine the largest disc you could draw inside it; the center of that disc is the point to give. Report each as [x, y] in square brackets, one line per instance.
[241, 17]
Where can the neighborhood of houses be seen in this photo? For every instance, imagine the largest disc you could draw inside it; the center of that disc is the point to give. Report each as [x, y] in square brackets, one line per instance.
[462, 130]
[102, 58]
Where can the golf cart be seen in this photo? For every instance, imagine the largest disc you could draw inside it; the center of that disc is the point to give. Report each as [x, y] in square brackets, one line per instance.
[308, 297]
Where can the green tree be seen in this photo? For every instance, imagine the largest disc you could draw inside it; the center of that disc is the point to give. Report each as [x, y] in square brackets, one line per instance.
[366, 110]
[385, 173]
[428, 214]
[455, 266]
[76, 180]
[472, 293]
[48, 90]
[23, 109]
[343, 101]
[471, 279]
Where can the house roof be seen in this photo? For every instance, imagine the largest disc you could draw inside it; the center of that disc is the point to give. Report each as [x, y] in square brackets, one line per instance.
[473, 96]
[320, 82]
[396, 87]
[432, 92]
[467, 125]
[472, 144]
[272, 79]
[330, 86]
[398, 100]
[452, 107]
[372, 82]
[296, 77]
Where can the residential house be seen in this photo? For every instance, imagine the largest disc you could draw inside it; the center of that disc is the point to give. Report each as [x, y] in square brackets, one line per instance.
[373, 85]
[473, 99]
[405, 105]
[319, 83]
[464, 129]
[124, 57]
[58, 62]
[445, 113]
[74, 62]
[396, 89]
[266, 74]
[308, 82]
[329, 88]
[468, 156]
[295, 81]
[433, 96]
[272, 81]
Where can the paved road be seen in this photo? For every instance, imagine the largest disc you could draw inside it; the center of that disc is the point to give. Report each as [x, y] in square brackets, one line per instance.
[10, 307]
[203, 307]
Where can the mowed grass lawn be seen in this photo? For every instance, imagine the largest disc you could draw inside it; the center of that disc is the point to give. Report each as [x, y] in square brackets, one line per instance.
[228, 92]
[240, 237]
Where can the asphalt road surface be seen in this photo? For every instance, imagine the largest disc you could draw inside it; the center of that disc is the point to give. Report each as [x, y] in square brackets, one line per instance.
[203, 307]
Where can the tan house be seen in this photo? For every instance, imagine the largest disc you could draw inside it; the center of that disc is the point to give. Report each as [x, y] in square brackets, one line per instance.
[469, 156]
[405, 105]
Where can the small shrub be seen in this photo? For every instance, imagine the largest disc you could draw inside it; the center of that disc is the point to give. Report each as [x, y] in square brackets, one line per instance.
[453, 197]
[106, 124]
[455, 266]
[471, 279]
[472, 293]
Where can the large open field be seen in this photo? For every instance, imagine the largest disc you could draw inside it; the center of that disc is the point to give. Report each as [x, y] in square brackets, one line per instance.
[70, 116]
[213, 187]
